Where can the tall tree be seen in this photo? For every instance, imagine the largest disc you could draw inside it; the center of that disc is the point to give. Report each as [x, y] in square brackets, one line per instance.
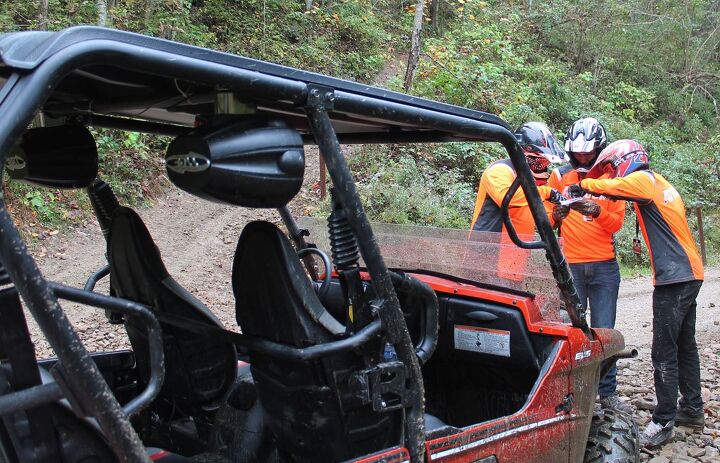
[101, 6]
[414, 54]
[43, 15]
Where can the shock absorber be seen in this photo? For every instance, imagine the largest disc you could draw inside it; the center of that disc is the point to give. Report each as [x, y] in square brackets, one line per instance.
[104, 202]
[343, 245]
[346, 257]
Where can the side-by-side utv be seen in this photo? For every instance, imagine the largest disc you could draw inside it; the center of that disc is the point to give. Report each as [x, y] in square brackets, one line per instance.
[354, 342]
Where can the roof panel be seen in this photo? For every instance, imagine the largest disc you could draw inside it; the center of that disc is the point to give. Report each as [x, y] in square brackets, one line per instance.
[88, 90]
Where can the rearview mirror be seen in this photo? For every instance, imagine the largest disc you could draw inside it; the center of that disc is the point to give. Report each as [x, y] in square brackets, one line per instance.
[63, 156]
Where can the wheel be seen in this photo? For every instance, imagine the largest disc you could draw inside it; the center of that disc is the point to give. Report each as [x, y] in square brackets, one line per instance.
[613, 439]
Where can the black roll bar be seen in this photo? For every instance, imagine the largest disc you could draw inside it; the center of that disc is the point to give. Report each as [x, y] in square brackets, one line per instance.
[154, 334]
[95, 277]
[561, 271]
[30, 398]
[512, 233]
[319, 101]
[276, 349]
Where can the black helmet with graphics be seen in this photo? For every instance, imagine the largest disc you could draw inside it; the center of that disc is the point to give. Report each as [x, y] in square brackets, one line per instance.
[585, 135]
[540, 147]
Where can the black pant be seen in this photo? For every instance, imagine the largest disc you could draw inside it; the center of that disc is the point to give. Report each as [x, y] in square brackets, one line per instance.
[674, 351]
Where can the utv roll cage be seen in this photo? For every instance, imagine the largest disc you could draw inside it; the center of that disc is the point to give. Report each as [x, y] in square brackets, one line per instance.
[106, 78]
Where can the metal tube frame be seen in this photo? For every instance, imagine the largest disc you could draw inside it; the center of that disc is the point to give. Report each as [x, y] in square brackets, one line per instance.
[276, 349]
[154, 335]
[25, 91]
[560, 270]
[30, 398]
[390, 313]
[95, 277]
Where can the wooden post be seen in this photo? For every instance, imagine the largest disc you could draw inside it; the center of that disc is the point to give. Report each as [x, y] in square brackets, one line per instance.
[701, 234]
[323, 177]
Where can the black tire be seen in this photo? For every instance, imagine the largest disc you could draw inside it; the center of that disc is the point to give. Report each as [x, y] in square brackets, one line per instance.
[613, 439]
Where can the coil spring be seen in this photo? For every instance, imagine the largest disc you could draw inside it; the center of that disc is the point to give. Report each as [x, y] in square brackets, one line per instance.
[104, 203]
[343, 245]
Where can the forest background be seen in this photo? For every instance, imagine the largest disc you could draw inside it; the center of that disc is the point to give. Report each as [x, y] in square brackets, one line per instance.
[647, 69]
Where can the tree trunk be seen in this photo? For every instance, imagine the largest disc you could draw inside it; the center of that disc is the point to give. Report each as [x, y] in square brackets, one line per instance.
[43, 15]
[308, 5]
[149, 10]
[434, 10]
[101, 6]
[414, 46]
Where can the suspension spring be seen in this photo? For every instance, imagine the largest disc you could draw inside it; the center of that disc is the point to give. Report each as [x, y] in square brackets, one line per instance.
[343, 245]
[104, 203]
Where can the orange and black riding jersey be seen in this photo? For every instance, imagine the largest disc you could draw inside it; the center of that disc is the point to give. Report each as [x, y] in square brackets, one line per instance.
[494, 184]
[661, 213]
[585, 238]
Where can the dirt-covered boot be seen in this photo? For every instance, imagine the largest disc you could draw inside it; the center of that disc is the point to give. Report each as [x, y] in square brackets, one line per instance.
[689, 418]
[656, 434]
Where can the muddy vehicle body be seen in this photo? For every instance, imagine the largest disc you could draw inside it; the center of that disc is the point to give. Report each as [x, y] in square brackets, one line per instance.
[396, 344]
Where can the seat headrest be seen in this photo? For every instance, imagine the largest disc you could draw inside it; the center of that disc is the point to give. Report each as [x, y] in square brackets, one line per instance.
[274, 296]
[133, 255]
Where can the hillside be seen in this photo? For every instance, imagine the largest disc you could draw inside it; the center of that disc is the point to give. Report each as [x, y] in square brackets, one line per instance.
[646, 72]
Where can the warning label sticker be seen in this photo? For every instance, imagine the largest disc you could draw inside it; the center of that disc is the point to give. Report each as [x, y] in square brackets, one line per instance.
[485, 340]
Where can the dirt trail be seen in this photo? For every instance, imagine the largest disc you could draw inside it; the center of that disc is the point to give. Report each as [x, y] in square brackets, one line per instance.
[197, 241]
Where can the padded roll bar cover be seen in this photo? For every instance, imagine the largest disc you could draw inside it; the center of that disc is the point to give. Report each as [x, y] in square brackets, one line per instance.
[250, 163]
[63, 156]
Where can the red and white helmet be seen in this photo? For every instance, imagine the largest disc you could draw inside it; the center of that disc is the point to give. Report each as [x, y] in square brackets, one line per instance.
[619, 159]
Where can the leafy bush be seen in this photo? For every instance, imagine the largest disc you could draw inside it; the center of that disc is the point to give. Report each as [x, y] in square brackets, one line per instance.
[400, 186]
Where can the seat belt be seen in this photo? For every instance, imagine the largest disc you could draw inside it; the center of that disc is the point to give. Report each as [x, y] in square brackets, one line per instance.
[637, 246]
[16, 346]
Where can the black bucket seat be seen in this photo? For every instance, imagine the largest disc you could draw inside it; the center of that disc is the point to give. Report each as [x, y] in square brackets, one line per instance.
[307, 405]
[200, 369]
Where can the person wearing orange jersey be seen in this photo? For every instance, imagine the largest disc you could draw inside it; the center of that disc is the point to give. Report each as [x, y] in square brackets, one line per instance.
[588, 244]
[677, 276]
[540, 149]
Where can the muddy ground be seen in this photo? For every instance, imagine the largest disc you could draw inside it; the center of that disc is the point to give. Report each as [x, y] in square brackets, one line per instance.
[197, 240]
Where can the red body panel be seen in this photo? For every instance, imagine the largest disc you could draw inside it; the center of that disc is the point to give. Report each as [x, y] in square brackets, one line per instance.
[557, 435]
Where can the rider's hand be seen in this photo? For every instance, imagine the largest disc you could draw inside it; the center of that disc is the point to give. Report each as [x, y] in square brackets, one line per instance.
[555, 196]
[559, 213]
[576, 191]
[586, 207]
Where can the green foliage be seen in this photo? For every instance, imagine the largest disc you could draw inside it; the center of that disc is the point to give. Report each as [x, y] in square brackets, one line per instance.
[343, 39]
[399, 185]
[630, 102]
[132, 164]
